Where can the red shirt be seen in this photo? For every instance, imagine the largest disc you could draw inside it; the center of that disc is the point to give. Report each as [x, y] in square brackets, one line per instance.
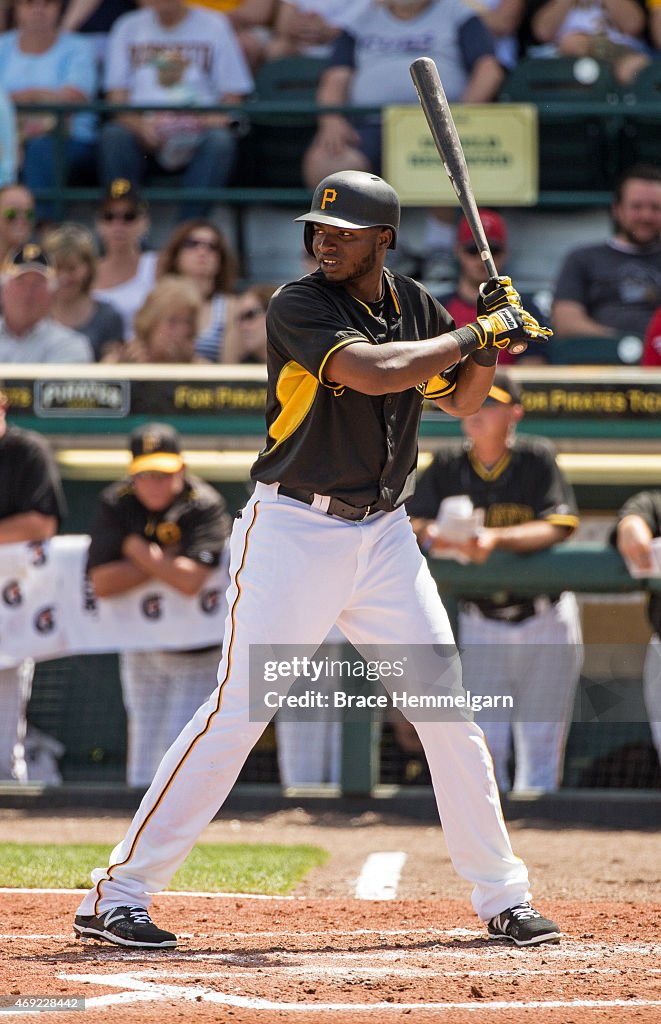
[652, 347]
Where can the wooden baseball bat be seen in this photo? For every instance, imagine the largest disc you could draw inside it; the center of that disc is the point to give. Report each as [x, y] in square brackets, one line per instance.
[444, 132]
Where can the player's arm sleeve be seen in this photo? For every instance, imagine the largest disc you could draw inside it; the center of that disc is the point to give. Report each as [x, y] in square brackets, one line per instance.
[556, 503]
[343, 53]
[106, 536]
[205, 535]
[40, 484]
[307, 336]
[647, 505]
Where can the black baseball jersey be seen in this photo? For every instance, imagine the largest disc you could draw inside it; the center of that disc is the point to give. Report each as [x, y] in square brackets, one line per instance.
[328, 439]
[196, 522]
[29, 480]
[526, 484]
[647, 505]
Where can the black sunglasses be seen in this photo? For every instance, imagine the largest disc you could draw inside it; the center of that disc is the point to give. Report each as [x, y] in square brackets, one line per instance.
[128, 216]
[200, 243]
[472, 250]
[14, 212]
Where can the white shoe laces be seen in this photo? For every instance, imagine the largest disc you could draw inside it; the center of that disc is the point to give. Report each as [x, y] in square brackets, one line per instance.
[139, 915]
[523, 912]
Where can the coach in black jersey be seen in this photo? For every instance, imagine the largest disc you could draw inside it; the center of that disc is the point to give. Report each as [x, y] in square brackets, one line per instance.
[31, 508]
[325, 539]
[162, 524]
[523, 647]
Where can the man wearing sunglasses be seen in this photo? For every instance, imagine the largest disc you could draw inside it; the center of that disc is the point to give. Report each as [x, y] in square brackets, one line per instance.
[17, 217]
[462, 303]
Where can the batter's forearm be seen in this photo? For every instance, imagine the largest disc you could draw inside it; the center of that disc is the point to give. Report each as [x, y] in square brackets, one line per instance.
[393, 366]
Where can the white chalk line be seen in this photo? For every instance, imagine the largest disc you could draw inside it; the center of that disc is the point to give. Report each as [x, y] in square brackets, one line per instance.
[379, 876]
[166, 893]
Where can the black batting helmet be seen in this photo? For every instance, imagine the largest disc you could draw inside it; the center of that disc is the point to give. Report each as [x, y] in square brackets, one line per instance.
[352, 199]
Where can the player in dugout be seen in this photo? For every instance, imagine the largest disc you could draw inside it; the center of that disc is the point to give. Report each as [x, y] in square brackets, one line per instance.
[325, 538]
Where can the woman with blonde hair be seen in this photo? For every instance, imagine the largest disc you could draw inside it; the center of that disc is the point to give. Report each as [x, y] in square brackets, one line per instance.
[198, 251]
[166, 326]
[72, 251]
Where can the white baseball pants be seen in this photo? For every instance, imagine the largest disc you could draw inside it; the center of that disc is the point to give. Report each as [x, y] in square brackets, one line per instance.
[295, 571]
[538, 663]
[15, 690]
[652, 689]
[161, 691]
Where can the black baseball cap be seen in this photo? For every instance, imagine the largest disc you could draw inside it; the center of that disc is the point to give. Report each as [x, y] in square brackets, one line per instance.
[155, 448]
[504, 390]
[122, 188]
[30, 257]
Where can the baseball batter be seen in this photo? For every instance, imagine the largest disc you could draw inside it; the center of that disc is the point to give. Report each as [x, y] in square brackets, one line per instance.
[325, 538]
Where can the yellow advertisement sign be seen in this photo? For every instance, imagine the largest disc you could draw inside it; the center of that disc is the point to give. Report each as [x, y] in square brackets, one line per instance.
[499, 142]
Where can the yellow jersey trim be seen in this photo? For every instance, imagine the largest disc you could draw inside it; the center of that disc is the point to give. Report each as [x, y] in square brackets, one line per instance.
[337, 388]
[295, 391]
[200, 734]
[560, 519]
[495, 471]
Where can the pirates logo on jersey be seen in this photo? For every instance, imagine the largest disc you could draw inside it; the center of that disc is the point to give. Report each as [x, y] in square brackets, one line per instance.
[152, 606]
[44, 620]
[11, 594]
[168, 533]
[210, 601]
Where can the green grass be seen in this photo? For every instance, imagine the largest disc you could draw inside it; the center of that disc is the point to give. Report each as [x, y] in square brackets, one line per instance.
[214, 867]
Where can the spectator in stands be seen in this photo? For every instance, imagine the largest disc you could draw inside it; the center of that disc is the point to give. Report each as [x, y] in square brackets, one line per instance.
[252, 20]
[72, 251]
[172, 55]
[461, 304]
[638, 527]
[504, 19]
[654, 22]
[28, 334]
[529, 648]
[39, 63]
[369, 66]
[31, 507]
[200, 252]
[246, 334]
[8, 141]
[609, 30]
[17, 217]
[652, 346]
[95, 18]
[125, 274]
[166, 326]
[165, 525]
[310, 27]
[612, 288]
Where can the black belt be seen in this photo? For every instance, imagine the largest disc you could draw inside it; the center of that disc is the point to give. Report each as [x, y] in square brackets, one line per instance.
[336, 507]
[512, 612]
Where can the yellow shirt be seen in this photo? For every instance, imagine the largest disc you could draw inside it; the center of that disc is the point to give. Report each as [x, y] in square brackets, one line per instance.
[215, 5]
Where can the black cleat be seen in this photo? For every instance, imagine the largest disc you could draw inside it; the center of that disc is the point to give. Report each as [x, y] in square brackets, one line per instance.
[524, 926]
[125, 926]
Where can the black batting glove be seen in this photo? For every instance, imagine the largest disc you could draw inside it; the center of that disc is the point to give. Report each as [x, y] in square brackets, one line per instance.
[496, 293]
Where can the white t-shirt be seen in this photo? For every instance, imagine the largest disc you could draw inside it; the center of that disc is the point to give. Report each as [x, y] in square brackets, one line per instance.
[212, 61]
[47, 342]
[127, 298]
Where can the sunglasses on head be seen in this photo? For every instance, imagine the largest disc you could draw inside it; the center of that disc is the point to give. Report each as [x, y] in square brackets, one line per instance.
[472, 250]
[201, 243]
[14, 212]
[128, 216]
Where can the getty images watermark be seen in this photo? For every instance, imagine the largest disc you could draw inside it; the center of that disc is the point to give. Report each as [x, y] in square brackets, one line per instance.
[334, 681]
[442, 682]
